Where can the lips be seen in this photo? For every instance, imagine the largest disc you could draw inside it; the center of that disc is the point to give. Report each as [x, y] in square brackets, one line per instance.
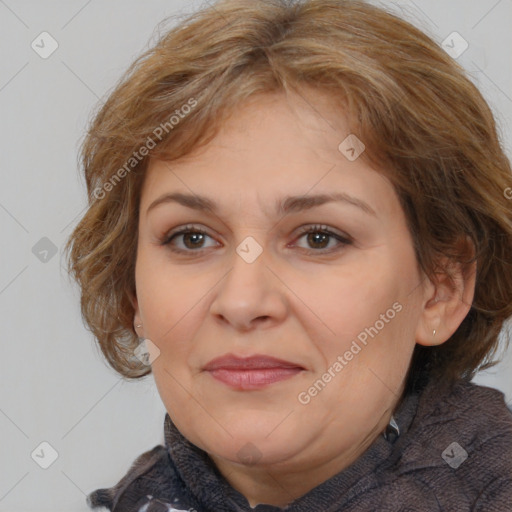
[254, 372]
[232, 362]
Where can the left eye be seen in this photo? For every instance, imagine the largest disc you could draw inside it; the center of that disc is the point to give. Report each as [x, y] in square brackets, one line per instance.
[318, 238]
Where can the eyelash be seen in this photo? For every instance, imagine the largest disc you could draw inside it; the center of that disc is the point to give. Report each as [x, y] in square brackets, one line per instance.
[343, 240]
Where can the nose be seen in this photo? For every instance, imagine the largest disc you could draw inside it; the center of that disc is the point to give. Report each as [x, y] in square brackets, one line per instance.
[250, 295]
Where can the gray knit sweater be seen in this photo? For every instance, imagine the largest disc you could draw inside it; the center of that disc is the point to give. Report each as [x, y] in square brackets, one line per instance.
[452, 453]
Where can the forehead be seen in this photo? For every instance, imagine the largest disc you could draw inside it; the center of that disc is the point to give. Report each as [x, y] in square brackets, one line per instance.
[273, 145]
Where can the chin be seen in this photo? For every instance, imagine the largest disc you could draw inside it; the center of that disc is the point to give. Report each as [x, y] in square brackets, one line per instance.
[252, 440]
[254, 452]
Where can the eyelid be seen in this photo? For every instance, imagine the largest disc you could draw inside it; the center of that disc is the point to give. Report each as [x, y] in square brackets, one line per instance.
[308, 228]
[166, 238]
[301, 230]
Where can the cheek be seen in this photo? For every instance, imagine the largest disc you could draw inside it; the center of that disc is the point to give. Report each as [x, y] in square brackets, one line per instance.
[348, 299]
[166, 295]
[366, 313]
[169, 310]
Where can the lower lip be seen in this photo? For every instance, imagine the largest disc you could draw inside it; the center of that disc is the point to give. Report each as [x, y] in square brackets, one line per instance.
[253, 379]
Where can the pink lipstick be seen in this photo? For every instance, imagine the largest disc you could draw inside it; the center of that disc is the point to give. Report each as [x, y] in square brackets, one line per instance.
[254, 372]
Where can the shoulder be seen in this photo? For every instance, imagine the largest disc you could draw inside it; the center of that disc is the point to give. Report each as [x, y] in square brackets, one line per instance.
[459, 447]
[473, 413]
[148, 475]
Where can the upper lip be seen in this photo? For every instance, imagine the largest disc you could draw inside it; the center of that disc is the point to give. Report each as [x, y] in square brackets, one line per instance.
[258, 361]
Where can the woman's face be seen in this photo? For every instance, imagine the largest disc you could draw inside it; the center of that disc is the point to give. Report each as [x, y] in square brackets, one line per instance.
[340, 305]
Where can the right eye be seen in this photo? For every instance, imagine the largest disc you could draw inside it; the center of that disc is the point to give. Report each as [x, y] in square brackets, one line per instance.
[192, 240]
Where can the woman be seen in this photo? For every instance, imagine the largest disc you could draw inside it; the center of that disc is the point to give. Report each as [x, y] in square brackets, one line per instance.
[298, 223]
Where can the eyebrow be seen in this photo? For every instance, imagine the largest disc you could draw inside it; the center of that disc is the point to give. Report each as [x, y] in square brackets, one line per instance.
[288, 204]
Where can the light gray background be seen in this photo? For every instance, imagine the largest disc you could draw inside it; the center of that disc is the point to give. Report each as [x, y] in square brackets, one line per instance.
[55, 386]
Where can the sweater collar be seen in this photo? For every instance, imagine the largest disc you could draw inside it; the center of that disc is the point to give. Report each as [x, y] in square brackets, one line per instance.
[213, 492]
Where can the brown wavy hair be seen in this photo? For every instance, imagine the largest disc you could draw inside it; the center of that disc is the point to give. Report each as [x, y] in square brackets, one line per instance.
[424, 124]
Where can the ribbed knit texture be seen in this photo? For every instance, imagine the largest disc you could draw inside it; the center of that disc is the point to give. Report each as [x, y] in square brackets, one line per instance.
[424, 470]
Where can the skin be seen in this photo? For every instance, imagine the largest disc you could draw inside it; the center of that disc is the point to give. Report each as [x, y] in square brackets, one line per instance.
[304, 299]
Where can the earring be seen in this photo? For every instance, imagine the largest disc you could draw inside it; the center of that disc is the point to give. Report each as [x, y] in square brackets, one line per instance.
[434, 333]
[138, 325]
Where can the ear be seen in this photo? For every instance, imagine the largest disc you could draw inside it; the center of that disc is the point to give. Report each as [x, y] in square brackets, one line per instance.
[446, 301]
[136, 315]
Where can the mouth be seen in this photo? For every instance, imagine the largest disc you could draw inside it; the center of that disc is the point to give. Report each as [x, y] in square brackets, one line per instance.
[249, 373]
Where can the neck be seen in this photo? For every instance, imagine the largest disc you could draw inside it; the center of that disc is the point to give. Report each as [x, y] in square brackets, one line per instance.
[281, 484]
